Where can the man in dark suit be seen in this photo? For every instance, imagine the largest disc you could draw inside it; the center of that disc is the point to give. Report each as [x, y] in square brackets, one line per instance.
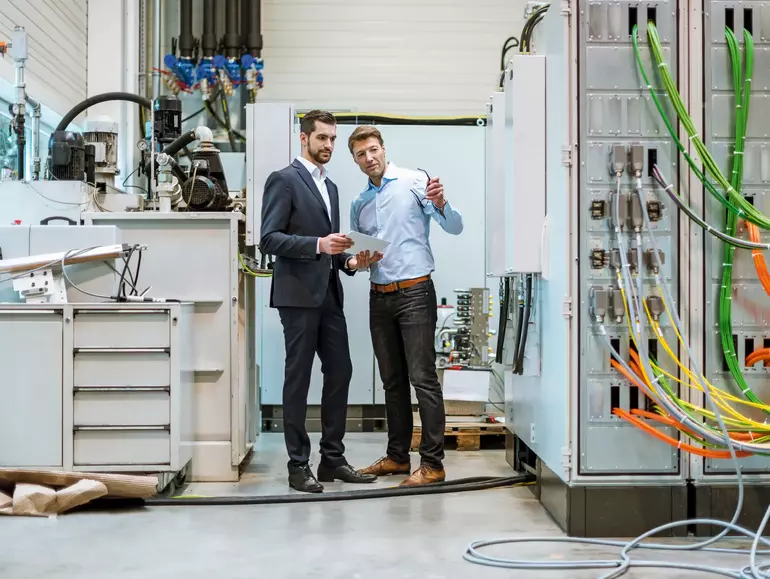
[300, 225]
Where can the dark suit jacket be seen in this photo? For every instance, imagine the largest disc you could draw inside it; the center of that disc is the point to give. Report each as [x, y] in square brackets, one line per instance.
[293, 218]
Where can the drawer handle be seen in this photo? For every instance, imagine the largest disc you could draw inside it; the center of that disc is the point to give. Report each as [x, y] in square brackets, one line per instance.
[123, 428]
[123, 311]
[122, 388]
[122, 350]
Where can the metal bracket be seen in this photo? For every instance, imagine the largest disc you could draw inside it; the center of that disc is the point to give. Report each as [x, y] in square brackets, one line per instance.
[566, 156]
[41, 287]
[566, 310]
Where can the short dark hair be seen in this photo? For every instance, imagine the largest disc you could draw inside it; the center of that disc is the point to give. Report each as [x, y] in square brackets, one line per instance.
[307, 124]
[363, 133]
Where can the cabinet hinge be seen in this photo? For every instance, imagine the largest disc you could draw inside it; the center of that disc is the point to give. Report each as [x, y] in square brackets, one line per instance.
[566, 458]
[566, 156]
[566, 7]
[566, 310]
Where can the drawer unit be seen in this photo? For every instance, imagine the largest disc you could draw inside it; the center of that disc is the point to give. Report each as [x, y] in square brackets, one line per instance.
[122, 368]
[122, 447]
[121, 329]
[122, 407]
[114, 392]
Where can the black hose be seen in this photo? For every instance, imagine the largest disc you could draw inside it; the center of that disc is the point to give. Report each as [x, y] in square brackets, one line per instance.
[186, 40]
[20, 145]
[251, 19]
[209, 38]
[232, 33]
[503, 321]
[180, 143]
[101, 98]
[525, 328]
[459, 485]
[348, 119]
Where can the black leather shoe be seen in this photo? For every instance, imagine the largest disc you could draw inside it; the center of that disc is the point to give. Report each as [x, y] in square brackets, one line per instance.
[303, 480]
[344, 473]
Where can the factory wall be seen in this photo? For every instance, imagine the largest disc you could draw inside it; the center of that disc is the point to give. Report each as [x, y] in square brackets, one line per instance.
[58, 42]
[432, 57]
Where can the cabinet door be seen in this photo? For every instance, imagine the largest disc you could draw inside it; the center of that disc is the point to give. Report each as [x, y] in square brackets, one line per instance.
[30, 388]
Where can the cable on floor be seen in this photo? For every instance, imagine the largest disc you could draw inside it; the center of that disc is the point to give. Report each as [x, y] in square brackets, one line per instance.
[453, 486]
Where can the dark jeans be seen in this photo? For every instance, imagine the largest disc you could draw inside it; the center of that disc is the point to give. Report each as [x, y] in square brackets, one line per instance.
[403, 326]
[308, 331]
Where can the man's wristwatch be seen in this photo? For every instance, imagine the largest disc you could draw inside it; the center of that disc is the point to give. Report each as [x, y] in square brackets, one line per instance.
[347, 263]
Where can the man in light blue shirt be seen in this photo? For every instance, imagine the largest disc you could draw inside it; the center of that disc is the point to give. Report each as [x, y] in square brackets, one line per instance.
[398, 206]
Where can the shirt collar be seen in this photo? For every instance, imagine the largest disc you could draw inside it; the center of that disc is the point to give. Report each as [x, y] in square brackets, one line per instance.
[313, 169]
[391, 174]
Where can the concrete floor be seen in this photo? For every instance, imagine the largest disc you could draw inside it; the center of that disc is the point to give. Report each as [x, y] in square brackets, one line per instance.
[399, 538]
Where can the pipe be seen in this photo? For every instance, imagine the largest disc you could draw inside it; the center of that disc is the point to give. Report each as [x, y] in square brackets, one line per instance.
[36, 114]
[251, 17]
[156, 50]
[100, 98]
[232, 34]
[201, 133]
[186, 40]
[209, 38]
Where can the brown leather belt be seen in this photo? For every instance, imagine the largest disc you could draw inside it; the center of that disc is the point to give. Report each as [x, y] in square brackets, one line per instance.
[397, 285]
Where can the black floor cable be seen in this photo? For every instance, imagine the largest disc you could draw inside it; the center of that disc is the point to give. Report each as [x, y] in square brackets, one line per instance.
[502, 326]
[454, 486]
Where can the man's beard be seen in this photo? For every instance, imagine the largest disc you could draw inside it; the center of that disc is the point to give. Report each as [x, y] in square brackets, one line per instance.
[318, 156]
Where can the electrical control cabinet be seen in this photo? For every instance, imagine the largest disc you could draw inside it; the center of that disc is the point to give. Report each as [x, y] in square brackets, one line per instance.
[494, 185]
[746, 300]
[618, 120]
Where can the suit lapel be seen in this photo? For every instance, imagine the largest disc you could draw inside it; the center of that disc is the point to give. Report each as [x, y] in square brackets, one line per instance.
[334, 201]
[308, 179]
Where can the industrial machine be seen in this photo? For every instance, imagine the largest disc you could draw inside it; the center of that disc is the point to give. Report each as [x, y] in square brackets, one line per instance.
[634, 251]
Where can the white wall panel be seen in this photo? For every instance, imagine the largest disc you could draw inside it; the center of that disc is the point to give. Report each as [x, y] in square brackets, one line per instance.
[421, 57]
[58, 39]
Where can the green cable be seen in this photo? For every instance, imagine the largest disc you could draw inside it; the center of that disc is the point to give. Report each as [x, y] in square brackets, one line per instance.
[690, 161]
[742, 100]
[745, 209]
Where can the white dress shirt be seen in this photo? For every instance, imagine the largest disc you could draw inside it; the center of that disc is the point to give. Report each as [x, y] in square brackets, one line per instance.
[319, 178]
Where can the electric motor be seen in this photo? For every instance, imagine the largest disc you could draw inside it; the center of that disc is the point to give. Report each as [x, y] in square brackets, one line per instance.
[168, 119]
[66, 156]
[204, 194]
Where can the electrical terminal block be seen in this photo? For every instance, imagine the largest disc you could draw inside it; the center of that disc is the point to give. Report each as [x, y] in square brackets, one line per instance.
[599, 303]
[636, 160]
[651, 262]
[598, 258]
[655, 305]
[617, 160]
[598, 209]
[636, 216]
[655, 210]
[632, 260]
[617, 309]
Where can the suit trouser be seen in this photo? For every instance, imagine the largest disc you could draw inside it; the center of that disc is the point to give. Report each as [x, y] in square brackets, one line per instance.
[308, 331]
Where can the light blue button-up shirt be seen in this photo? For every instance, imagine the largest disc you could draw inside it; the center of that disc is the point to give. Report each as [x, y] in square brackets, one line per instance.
[398, 212]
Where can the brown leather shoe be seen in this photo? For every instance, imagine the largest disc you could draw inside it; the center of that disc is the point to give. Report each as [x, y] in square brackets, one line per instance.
[386, 466]
[424, 475]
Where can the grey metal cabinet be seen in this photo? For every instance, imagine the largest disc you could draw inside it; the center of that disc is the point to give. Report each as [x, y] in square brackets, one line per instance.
[97, 387]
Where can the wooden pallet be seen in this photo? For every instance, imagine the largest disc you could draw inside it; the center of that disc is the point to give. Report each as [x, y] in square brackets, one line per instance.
[466, 434]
